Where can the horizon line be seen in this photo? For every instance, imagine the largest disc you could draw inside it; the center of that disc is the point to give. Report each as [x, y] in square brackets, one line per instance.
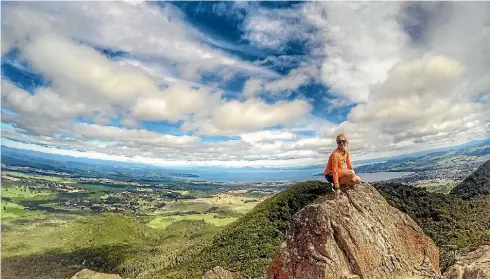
[202, 164]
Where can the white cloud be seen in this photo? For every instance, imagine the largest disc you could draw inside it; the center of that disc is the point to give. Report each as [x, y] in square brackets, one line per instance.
[260, 136]
[362, 42]
[408, 93]
[175, 103]
[7, 42]
[311, 144]
[132, 28]
[46, 112]
[45, 103]
[421, 97]
[252, 87]
[412, 93]
[462, 31]
[252, 115]
[94, 131]
[65, 61]
[146, 146]
[274, 28]
[83, 74]
[293, 80]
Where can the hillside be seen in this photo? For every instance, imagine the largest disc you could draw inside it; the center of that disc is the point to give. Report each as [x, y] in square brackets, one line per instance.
[456, 225]
[109, 243]
[475, 185]
[249, 244]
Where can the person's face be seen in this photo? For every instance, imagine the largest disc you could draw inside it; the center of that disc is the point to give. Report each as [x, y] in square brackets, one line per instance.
[341, 143]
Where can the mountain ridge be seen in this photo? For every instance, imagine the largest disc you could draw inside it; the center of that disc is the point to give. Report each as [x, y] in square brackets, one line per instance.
[475, 185]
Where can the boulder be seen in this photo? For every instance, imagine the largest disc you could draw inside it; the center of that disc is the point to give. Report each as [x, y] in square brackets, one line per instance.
[90, 274]
[220, 273]
[358, 236]
[475, 265]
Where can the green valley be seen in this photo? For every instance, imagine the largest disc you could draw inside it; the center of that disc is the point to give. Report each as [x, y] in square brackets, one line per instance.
[51, 228]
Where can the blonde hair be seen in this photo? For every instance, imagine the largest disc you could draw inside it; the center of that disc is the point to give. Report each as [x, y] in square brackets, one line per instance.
[341, 135]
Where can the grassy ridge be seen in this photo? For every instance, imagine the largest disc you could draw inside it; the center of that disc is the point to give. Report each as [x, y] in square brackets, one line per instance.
[249, 244]
[68, 233]
[57, 246]
[456, 225]
[475, 185]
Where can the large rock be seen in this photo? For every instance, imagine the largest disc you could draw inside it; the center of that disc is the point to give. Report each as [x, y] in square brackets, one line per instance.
[475, 265]
[220, 273]
[90, 274]
[358, 236]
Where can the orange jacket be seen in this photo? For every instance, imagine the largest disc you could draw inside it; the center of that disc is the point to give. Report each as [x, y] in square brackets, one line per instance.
[336, 162]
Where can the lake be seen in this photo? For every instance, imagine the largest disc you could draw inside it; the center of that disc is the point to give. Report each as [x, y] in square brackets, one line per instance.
[282, 175]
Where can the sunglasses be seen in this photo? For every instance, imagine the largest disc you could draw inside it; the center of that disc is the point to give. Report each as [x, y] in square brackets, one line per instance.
[341, 142]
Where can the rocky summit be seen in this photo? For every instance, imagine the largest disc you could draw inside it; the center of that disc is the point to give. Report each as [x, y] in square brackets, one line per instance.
[357, 236]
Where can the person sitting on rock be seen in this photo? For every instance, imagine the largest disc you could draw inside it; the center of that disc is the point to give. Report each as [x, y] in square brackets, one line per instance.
[335, 172]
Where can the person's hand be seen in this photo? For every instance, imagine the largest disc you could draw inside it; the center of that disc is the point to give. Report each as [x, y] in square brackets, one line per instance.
[337, 193]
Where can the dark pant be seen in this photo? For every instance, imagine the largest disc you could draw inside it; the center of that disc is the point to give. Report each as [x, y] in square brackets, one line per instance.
[329, 177]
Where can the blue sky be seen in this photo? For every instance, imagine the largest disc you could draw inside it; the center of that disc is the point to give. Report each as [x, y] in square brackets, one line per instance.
[243, 83]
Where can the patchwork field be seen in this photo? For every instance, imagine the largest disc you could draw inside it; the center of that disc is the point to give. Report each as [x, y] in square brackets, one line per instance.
[10, 207]
[19, 193]
[443, 186]
[238, 202]
[15, 175]
[212, 219]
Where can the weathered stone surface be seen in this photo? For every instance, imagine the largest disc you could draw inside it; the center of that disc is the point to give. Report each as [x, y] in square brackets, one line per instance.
[475, 265]
[359, 234]
[90, 274]
[220, 273]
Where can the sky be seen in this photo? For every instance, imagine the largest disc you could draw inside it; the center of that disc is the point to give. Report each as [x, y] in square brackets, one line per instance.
[243, 84]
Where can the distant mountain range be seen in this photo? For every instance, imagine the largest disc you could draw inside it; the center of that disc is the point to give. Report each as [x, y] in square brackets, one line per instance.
[83, 167]
[464, 156]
